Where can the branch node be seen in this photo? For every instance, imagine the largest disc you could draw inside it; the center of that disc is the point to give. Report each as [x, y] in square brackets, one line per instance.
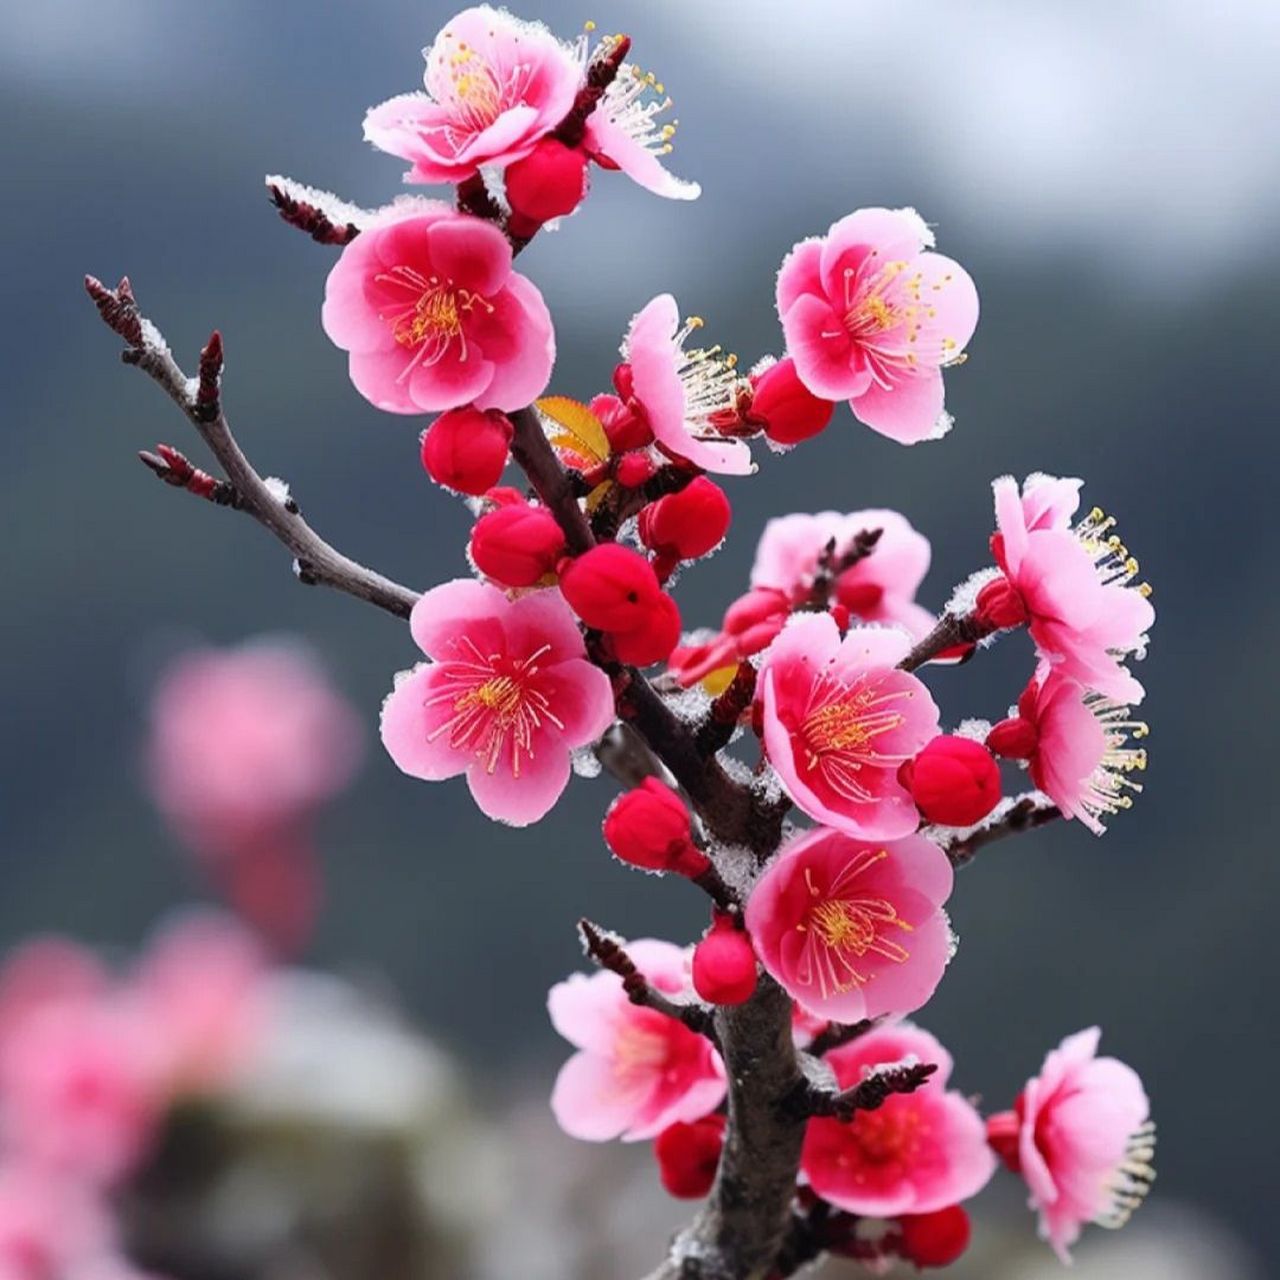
[209, 382]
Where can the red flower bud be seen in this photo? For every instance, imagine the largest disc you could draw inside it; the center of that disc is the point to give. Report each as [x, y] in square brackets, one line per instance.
[623, 381]
[1015, 739]
[954, 781]
[633, 470]
[1003, 1132]
[724, 964]
[548, 183]
[688, 1156]
[648, 827]
[999, 605]
[654, 639]
[787, 410]
[466, 449]
[687, 524]
[612, 588]
[935, 1239]
[517, 546]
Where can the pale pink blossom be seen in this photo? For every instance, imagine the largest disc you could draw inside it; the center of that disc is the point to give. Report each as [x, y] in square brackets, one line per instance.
[679, 392]
[51, 1227]
[839, 719]
[1076, 746]
[872, 317]
[81, 1081]
[852, 930]
[1082, 1137]
[507, 695]
[426, 303]
[202, 982]
[636, 1070]
[628, 131]
[246, 743]
[494, 86]
[917, 1153]
[879, 587]
[1075, 583]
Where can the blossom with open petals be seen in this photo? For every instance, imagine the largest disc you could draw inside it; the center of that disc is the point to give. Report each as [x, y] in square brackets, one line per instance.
[1082, 1137]
[839, 718]
[918, 1152]
[871, 316]
[494, 87]
[636, 1070]
[425, 302]
[507, 696]
[853, 930]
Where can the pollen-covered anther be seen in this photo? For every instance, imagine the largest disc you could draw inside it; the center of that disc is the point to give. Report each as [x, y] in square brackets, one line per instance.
[1132, 1180]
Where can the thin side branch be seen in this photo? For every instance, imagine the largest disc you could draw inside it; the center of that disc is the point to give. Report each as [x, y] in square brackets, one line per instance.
[1025, 814]
[315, 560]
[840, 1033]
[949, 632]
[869, 1094]
[609, 954]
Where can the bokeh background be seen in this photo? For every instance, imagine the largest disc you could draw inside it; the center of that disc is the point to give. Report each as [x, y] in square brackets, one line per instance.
[1109, 173]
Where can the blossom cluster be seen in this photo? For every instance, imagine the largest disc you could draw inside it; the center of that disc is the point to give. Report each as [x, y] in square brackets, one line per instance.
[810, 696]
[92, 1061]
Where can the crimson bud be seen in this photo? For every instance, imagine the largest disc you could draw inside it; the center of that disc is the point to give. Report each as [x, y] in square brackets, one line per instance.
[466, 449]
[954, 781]
[611, 588]
[649, 828]
[787, 410]
[654, 639]
[935, 1239]
[688, 1156]
[687, 524]
[549, 182]
[517, 545]
[724, 964]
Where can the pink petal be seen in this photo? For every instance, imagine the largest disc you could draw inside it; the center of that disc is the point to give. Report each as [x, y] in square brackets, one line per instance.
[434, 622]
[522, 377]
[592, 1102]
[581, 696]
[827, 360]
[907, 411]
[522, 800]
[408, 725]
[471, 253]
[868, 240]
[800, 274]
[607, 138]
[584, 1010]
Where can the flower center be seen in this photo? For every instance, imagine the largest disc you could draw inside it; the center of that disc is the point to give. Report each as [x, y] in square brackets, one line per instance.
[474, 96]
[888, 1135]
[639, 1049]
[428, 316]
[838, 733]
[495, 701]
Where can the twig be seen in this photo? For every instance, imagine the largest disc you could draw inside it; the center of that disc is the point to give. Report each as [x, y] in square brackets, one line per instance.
[949, 632]
[716, 730]
[316, 560]
[837, 1034]
[869, 1094]
[609, 954]
[175, 469]
[306, 217]
[1026, 814]
[831, 566]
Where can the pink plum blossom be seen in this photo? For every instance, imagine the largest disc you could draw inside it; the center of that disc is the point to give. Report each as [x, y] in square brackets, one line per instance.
[871, 316]
[880, 587]
[917, 1153]
[494, 86]
[839, 719]
[1076, 747]
[852, 930]
[506, 697]
[679, 391]
[750, 624]
[1082, 1137]
[426, 303]
[1074, 583]
[51, 1228]
[636, 1070]
[626, 132]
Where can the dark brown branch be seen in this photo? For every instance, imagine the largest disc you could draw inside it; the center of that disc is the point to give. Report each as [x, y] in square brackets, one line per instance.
[715, 732]
[1026, 814]
[316, 561]
[306, 217]
[869, 1094]
[537, 459]
[839, 1033]
[831, 566]
[949, 632]
[602, 71]
[610, 954]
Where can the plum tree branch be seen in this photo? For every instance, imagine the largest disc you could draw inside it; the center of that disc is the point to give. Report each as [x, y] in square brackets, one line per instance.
[1026, 813]
[199, 399]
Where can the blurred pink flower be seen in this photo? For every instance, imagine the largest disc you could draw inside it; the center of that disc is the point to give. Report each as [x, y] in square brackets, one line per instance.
[636, 1070]
[494, 86]
[870, 316]
[852, 930]
[839, 719]
[1074, 583]
[918, 1152]
[51, 1228]
[1082, 1137]
[679, 392]
[1076, 745]
[507, 696]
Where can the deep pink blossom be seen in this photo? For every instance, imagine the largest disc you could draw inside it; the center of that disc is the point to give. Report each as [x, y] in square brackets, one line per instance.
[506, 697]
[1082, 1137]
[839, 718]
[678, 392]
[1076, 745]
[750, 624]
[853, 930]
[879, 587]
[494, 86]
[426, 303]
[627, 131]
[871, 316]
[246, 743]
[636, 1070]
[918, 1152]
[1075, 583]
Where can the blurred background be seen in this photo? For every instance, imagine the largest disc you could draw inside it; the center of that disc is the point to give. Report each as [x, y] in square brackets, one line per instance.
[1110, 174]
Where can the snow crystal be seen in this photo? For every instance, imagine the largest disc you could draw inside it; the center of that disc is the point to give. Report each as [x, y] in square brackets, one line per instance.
[964, 598]
[974, 729]
[278, 489]
[586, 764]
[689, 705]
[152, 338]
[338, 211]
